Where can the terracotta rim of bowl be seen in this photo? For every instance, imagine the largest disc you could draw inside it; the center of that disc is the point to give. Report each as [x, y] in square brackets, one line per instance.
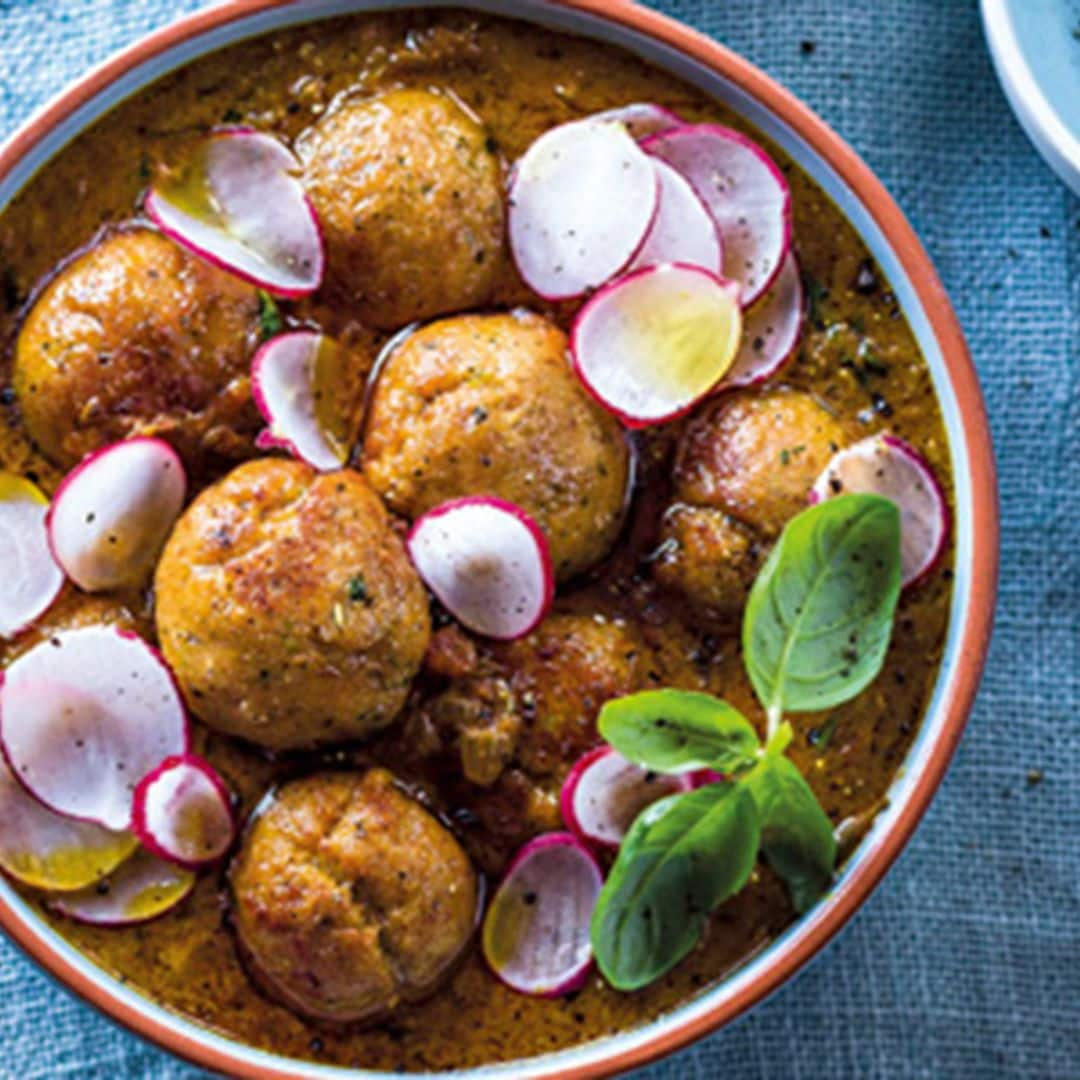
[974, 635]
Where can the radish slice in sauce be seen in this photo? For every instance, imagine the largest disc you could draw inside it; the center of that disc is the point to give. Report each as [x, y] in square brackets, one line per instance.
[641, 118]
[112, 514]
[581, 200]
[183, 812]
[295, 380]
[771, 329]
[239, 204]
[745, 192]
[650, 345]
[888, 466]
[604, 793]
[42, 849]
[536, 931]
[85, 716]
[683, 230]
[31, 578]
[143, 888]
[488, 563]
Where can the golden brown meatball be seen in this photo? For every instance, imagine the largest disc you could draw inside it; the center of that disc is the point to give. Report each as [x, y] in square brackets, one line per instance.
[409, 192]
[488, 404]
[756, 455]
[288, 608]
[349, 898]
[136, 336]
[709, 557]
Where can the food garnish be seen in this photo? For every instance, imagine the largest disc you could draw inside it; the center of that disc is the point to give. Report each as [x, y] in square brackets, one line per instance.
[488, 563]
[183, 812]
[582, 199]
[110, 516]
[536, 930]
[238, 203]
[888, 466]
[32, 580]
[641, 118]
[604, 792]
[296, 380]
[651, 344]
[84, 716]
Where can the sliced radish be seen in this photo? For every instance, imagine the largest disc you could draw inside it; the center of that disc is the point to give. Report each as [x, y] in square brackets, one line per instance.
[888, 466]
[47, 851]
[183, 812]
[488, 563]
[582, 199]
[85, 716]
[143, 888]
[112, 514]
[641, 118]
[239, 204]
[683, 230]
[771, 329]
[604, 793]
[653, 343]
[295, 379]
[745, 192]
[31, 578]
[536, 931]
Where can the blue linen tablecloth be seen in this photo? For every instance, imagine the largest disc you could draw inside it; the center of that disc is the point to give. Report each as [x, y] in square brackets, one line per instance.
[966, 962]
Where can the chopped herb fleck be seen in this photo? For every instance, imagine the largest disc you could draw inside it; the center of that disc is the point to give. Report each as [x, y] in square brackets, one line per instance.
[358, 590]
[270, 321]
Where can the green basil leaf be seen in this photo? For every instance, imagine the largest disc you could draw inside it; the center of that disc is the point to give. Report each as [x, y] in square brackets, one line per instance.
[682, 856]
[677, 731]
[797, 837]
[820, 614]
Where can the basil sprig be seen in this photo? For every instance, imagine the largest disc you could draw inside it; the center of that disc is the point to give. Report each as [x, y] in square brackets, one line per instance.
[815, 632]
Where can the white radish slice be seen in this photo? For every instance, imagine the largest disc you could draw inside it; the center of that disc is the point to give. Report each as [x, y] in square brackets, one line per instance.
[31, 578]
[604, 793]
[653, 343]
[46, 851]
[536, 931]
[143, 888]
[745, 192]
[239, 204]
[113, 512]
[641, 118]
[771, 329]
[183, 812]
[295, 380]
[488, 562]
[581, 200]
[683, 230]
[888, 466]
[85, 716]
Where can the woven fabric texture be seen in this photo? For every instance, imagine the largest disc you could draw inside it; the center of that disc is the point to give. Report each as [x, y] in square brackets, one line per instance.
[966, 962]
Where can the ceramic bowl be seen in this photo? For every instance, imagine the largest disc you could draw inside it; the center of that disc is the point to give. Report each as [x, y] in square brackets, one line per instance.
[851, 184]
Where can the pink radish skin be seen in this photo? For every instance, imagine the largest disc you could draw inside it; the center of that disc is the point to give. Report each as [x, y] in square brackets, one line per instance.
[641, 118]
[32, 577]
[604, 793]
[886, 465]
[545, 902]
[771, 330]
[683, 230]
[183, 812]
[141, 889]
[255, 219]
[599, 332]
[112, 513]
[84, 716]
[44, 850]
[488, 562]
[581, 200]
[283, 386]
[744, 190]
